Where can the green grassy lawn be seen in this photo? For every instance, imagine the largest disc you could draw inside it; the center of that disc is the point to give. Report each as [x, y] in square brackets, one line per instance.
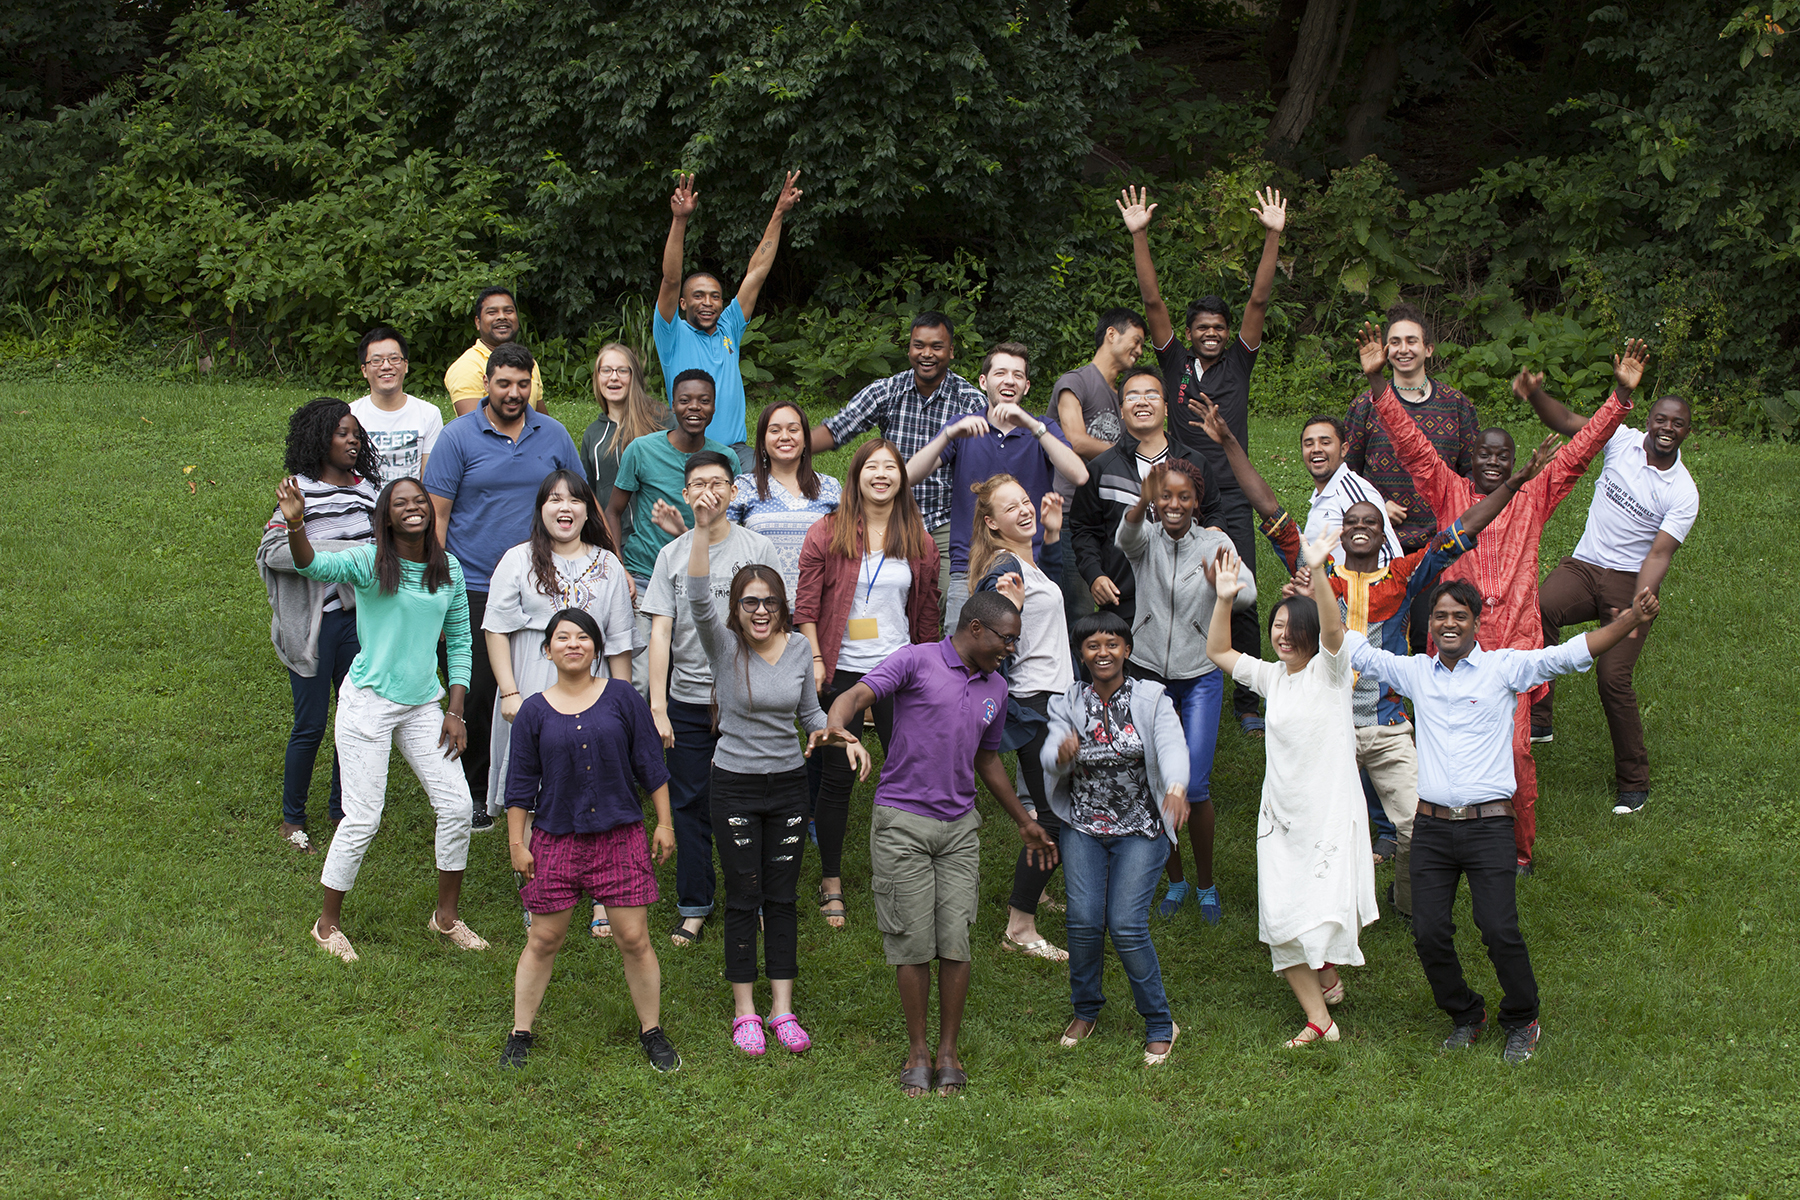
[172, 1031]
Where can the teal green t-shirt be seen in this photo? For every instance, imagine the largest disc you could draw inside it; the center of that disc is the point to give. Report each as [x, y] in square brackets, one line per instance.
[399, 633]
[652, 469]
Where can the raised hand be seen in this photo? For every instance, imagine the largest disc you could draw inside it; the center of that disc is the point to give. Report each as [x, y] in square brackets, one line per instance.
[1271, 210]
[1154, 483]
[1527, 382]
[1540, 458]
[1370, 348]
[1223, 572]
[1135, 207]
[1013, 588]
[292, 502]
[686, 199]
[1007, 414]
[1052, 513]
[1318, 550]
[667, 517]
[1212, 423]
[707, 506]
[1197, 404]
[790, 194]
[1068, 749]
[1628, 368]
[973, 425]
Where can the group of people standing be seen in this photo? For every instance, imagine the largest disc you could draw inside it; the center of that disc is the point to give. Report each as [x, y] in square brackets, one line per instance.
[664, 607]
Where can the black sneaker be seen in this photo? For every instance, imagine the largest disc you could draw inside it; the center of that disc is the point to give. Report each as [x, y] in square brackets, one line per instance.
[657, 1049]
[518, 1048]
[1630, 802]
[1464, 1036]
[1395, 905]
[482, 820]
[1520, 1043]
[1541, 734]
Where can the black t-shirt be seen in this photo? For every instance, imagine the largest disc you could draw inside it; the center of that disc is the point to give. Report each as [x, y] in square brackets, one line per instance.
[1227, 382]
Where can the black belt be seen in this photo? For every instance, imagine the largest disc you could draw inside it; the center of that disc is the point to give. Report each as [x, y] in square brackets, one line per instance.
[1466, 812]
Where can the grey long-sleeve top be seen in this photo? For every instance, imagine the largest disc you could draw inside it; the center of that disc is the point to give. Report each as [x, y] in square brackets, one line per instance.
[1174, 599]
[758, 700]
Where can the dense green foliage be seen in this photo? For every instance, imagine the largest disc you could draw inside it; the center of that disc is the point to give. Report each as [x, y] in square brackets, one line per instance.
[291, 171]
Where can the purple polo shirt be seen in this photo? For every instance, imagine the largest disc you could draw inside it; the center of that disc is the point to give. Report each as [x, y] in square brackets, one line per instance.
[973, 459]
[943, 713]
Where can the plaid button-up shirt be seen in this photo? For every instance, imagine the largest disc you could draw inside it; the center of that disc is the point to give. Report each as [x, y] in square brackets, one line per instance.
[910, 420]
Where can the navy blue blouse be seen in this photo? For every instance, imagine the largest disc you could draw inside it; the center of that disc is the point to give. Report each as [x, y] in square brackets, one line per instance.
[582, 772]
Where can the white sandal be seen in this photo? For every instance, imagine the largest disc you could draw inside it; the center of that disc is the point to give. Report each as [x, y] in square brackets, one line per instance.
[337, 945]
[1157, 1060]
[1038, 949]
[299, 841]
[1312, 1033]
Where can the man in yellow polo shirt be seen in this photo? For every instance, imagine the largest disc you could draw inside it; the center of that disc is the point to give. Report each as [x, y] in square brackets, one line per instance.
[496, 321]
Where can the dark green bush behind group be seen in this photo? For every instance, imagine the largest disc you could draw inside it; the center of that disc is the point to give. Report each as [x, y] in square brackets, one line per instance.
[249, 187]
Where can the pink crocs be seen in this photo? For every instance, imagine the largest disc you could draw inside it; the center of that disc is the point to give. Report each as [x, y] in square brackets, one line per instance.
[747, 1034]
[787, 1031]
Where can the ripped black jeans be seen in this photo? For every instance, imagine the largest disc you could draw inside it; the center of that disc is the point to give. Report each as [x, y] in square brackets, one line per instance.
[759, 825]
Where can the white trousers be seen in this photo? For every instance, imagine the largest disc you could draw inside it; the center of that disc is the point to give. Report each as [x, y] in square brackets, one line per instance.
[368, 730]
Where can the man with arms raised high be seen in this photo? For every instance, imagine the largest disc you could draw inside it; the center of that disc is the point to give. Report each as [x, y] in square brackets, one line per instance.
[1213, 367]
[1644, 505]
[496, 323]
[909, 409]
[695, 328]
[1504, 567]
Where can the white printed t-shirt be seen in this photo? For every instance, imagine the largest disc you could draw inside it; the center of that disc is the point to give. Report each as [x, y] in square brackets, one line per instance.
[1343, 489]
[1633, 502]
[401, 439]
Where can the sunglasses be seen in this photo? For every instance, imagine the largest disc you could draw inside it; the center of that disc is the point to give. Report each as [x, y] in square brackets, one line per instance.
[759, 604]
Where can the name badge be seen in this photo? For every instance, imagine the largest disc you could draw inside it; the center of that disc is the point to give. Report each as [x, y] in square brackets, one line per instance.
[862, 629]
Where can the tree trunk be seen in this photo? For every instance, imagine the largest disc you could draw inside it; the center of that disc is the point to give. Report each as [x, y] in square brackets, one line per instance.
[1381, 73]
[1279, 46]
[1319, 48]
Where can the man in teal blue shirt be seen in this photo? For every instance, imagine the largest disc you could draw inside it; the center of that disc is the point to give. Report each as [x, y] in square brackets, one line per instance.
[695, 328]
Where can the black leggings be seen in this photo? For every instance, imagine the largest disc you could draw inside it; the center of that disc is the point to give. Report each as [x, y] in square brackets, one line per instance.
[836, 779]
[759, 825]
[1029, 881]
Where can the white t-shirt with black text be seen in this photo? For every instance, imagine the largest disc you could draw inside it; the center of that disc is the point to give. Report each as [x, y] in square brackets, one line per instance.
[1633, 502]
[401, 439]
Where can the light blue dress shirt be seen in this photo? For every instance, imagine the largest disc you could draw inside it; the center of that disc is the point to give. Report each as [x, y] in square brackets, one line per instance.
[1464, 717]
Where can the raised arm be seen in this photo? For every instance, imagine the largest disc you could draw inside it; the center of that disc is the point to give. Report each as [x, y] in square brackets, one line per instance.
[931, 454]
[1225, 586]
[682, 204]
[1271, 210]
[1135, 207]
[1529, 387]
[764, 257]
[293, 512]
[1256, 489]
[1331, 621]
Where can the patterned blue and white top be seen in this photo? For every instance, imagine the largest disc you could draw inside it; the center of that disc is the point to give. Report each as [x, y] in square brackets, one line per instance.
[783, 518]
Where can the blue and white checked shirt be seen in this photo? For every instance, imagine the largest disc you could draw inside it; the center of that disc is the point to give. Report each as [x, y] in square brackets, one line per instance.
[909, 420]
[1464, 717]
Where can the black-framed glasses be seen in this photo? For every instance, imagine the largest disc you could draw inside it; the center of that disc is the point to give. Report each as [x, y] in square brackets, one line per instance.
[759, 604]
[384, 360]
[1008, 641]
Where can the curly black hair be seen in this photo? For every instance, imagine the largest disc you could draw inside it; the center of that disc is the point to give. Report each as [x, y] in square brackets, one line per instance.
[309, 440]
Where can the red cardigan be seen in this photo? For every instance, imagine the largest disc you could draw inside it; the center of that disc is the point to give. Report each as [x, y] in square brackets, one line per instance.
[828, 583]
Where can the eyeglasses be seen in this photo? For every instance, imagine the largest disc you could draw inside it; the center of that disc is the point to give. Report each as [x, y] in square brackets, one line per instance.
[709, 485]
[759, 604]
[612, 371]
[384, 360]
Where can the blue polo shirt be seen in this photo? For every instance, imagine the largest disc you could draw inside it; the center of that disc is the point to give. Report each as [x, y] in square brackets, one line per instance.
[996, 452]
[491, 482]
[679, 346]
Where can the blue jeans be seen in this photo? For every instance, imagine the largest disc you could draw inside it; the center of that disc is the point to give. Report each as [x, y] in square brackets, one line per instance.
[1110, 882]
[1197, 703]
[312, 703]
[690, 803]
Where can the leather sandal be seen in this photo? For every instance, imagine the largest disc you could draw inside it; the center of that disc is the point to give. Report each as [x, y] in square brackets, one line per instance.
[1312, 1033]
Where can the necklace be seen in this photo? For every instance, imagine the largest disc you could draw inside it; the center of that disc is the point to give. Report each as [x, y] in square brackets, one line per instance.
[576, 590]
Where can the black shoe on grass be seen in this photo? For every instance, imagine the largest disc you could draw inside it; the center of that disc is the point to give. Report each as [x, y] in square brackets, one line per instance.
[481, 820]
[518, 1048]
[657, 1049]
[1541, 734]
[1630, 802]
[1520, 1043]
[1464, 1036]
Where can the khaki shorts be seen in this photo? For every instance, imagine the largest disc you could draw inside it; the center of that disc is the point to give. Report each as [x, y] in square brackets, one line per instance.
[927, 883]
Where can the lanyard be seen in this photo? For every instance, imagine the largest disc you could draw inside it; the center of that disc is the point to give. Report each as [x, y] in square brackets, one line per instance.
[870, 590]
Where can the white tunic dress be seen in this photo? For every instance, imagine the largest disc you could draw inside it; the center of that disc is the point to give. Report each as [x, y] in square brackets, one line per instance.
[1315, 881]
[517, 607]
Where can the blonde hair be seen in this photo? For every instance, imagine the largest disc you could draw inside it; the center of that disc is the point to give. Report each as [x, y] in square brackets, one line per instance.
[984, 544]
[642, 414]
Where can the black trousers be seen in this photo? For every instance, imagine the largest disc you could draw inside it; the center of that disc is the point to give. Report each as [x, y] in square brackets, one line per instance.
[759, 825]
[836, 779]
[1481, 849]
[1246, 629]
[1029, 881]
[478, 710]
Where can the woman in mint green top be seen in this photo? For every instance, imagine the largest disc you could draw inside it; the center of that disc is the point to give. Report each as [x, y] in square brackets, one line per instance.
[409, 590]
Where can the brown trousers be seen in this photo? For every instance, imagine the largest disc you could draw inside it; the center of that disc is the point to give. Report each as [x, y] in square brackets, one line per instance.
[1576, 592]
